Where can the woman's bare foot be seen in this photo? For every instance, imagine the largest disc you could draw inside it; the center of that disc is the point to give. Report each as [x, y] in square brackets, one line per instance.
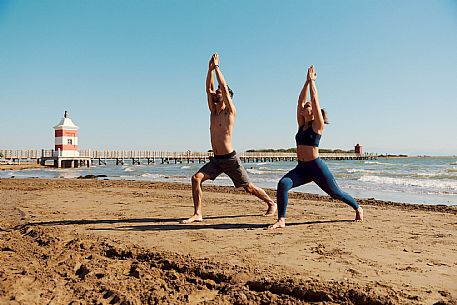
[194, 218]
[281, 223]
[359, 214]
[271, 209]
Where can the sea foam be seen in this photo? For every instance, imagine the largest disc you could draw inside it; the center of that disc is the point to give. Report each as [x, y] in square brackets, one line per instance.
[429, 183]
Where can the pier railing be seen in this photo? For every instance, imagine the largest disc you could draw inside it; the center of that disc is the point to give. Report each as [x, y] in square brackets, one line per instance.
[20, 154]
[166, 156]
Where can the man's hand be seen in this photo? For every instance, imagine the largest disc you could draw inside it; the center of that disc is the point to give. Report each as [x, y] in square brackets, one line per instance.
[216, 59]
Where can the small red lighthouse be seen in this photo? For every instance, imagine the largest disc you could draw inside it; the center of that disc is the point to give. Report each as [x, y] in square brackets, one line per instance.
[65, 153]
[66, 138]
[358, 149]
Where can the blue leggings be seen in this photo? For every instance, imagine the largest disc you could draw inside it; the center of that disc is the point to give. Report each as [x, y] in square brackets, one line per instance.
[305, 172]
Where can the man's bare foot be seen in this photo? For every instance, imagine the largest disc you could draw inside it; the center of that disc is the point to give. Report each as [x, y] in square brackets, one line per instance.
[194, 218]
[359, 214]
[271, 209]
[281, 223]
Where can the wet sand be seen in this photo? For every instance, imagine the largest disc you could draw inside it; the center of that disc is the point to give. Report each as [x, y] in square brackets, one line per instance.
[20, 166]
[71, 241]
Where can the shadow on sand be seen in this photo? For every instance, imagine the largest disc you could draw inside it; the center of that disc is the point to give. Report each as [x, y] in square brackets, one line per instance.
[125, 220]
[175, 226]
[203, 226]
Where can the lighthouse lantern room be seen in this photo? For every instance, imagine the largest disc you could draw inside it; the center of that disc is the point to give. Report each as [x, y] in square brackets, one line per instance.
[66, 138]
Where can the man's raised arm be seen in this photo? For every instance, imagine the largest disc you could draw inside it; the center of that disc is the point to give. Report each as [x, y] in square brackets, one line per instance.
[223, 85]
[210, 85]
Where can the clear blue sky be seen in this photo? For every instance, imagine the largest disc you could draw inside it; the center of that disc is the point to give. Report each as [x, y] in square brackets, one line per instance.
[132, 73]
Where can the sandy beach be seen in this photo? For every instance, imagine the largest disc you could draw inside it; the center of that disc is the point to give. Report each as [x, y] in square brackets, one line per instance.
[74, 241]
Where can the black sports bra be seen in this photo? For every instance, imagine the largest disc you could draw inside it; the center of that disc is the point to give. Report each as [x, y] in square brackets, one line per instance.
[307, 137]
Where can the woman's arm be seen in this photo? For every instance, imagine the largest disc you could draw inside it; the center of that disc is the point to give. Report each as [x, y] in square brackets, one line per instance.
[318, 123]
[301, 102]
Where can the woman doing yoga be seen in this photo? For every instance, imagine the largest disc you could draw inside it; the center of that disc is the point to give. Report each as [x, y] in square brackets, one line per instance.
[311, 120]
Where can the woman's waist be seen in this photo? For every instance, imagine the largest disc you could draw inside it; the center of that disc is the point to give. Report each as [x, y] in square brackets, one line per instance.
[307, 153]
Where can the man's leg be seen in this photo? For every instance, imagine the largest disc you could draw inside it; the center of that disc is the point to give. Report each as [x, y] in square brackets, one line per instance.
[261, 194]
[197, 181]
[236, 171]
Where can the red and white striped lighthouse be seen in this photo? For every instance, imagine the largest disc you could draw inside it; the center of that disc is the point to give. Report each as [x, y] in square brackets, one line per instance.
[66, 138]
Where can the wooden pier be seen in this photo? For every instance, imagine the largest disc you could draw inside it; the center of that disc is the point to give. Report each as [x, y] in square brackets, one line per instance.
[103, 157]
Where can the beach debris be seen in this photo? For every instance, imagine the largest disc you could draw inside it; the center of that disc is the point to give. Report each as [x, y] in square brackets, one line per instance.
[92, 176]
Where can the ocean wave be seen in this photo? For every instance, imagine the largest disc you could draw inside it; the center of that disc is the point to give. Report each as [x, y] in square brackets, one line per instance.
[361, 170]
[274, 170]
[255, 171]
[265, 168]
[405, 173]
[427, 174]
[128, 169]
[343, 176]
[378, 163]
[445, 174]
[223, 177]
[422, 175]
[149, 175]
[431, 184]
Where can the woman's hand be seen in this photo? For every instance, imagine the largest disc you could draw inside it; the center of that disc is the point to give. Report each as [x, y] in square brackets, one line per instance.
[211, 64]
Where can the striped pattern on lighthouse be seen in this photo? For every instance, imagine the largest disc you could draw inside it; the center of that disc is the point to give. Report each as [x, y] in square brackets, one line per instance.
[66, 138]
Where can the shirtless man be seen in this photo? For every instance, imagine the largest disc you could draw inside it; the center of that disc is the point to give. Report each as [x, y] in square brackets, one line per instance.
[225, 160]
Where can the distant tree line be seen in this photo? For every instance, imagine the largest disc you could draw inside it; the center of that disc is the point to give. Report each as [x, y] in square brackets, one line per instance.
[271, 150]
[393, 156]
[294, 150]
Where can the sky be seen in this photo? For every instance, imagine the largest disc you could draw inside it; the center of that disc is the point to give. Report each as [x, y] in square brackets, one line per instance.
[132, 74]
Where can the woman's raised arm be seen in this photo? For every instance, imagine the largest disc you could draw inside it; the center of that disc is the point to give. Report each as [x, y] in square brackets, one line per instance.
[318, 123]
[301, 102]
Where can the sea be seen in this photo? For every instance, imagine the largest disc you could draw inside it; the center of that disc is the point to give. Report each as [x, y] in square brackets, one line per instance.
[420, 180]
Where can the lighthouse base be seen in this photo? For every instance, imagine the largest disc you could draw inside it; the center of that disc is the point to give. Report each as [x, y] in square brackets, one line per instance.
[67, 162]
